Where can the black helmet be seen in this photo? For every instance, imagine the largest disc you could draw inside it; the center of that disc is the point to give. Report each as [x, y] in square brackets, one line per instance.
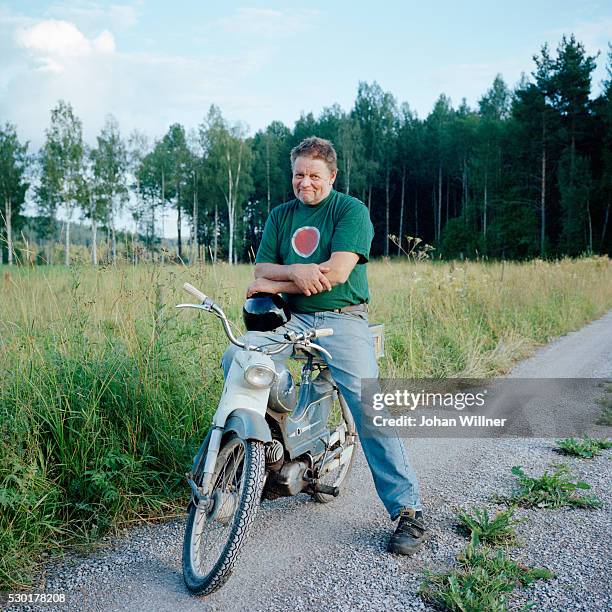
[265, 312]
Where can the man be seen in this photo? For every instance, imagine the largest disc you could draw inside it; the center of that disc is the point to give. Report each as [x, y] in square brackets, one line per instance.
[314, 250]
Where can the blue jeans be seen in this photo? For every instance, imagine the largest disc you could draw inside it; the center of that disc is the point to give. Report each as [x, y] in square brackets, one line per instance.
[352, 350]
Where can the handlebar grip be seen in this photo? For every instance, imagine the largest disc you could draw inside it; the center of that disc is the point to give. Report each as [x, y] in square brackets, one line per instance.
[195, 292]
[321, 333]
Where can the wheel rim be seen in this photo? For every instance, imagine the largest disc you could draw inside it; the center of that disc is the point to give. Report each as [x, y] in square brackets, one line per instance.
[213, 521]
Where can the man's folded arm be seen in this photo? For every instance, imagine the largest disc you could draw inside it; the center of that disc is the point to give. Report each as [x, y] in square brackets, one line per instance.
[340, 265]
[266, 285]
[337, 268]
[307, 279]
[272, 271]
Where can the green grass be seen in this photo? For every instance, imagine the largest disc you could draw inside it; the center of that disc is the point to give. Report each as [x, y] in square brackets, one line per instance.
[553, 489]
[106, 390]
[482, 582]
[587, 448]
[493, 530]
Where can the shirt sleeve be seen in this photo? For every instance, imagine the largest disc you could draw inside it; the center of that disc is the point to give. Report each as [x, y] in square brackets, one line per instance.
[268, 247]
[354, 232]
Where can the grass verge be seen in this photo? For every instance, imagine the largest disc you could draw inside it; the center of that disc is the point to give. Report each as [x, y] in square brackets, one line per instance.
[492, 530]
[553, 489]
[587, 448]
[481, 583]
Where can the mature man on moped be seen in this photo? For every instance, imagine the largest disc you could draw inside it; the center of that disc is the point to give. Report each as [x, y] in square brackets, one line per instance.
[314, 251]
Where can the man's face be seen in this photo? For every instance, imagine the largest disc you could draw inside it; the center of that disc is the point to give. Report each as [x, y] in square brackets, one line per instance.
[312, 180]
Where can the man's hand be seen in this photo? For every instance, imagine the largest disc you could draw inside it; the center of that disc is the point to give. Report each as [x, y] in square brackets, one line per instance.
[310, 278]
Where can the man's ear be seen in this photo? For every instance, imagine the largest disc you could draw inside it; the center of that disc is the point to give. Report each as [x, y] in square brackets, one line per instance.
[332, 178]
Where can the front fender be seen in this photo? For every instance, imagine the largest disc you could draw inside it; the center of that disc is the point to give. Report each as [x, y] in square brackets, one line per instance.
[248, 425]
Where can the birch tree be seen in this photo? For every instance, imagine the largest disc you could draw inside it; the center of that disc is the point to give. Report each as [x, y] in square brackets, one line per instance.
[230, 159]
[137, 149]
[63, 162]
[109, 168]
[13, 163]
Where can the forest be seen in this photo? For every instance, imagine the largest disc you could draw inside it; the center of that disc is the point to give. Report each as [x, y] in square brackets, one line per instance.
[526, 173]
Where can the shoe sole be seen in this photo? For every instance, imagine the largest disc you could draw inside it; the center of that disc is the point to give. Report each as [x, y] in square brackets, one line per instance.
[407, 551]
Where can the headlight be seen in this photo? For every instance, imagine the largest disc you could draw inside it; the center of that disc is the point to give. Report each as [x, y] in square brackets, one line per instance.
[259, 376]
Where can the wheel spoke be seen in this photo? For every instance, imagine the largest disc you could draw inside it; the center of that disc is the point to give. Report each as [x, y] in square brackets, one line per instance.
[210, 531]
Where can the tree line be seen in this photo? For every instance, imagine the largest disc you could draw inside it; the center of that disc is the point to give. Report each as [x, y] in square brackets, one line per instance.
[526, 173]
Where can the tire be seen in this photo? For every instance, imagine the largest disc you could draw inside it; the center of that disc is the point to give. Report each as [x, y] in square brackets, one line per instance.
[228, 518]
[339, 416]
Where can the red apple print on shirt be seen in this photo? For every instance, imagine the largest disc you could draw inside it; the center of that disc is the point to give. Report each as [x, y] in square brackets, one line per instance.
[305, 241]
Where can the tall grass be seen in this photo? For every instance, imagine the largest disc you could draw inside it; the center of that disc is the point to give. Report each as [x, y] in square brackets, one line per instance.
[106, 389]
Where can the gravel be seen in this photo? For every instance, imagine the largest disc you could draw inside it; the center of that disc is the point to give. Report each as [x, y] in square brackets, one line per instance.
[306, 556]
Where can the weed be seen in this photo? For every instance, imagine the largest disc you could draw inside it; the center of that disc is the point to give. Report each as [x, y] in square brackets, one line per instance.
[482, 582]
[586, 448]
[551, 490]
[498, 529]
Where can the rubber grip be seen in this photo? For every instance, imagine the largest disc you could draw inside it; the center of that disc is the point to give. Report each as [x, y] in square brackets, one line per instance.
[326, 331]
[195, 292]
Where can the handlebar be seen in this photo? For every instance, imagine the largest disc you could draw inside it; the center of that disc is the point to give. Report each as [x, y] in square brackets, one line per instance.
[290, 337]
[195, 292]
[208, 305]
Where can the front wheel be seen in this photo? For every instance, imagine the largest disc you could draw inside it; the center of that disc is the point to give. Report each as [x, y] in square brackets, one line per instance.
[218, 527]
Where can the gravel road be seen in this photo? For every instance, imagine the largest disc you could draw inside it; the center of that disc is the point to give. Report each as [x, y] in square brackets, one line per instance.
[306, 556]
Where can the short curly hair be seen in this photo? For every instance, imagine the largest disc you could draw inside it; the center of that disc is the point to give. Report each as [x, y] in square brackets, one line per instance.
[316, 148]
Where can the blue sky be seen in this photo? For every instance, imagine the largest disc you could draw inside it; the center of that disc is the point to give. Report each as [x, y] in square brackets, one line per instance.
[152, 63]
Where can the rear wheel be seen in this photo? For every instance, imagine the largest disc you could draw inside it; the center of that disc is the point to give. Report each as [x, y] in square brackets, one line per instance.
[337, 463]
[217, 529]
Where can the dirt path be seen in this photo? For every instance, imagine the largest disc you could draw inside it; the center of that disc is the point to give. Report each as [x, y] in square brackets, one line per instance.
[306, 556]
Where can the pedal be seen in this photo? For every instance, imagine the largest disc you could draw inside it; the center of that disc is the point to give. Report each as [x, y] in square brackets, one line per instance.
[326, 489]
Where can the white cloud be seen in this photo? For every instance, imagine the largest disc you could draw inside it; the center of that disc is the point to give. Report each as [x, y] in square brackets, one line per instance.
[54, 45]
[52, 59]
[55, 38]
[105, 43]
[89, 15]
[268, 23]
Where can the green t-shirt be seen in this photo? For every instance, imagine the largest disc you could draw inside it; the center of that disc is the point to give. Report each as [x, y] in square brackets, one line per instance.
[300, 233]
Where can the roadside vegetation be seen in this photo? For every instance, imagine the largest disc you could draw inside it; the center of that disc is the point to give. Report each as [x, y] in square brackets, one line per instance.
[486, 576]
[553, 489]
[493, 530]
[482, 581]
[587, 448]
[106, 390]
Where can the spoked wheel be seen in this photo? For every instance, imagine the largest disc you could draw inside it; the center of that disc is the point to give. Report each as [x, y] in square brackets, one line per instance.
[217, 529]
[341, 452]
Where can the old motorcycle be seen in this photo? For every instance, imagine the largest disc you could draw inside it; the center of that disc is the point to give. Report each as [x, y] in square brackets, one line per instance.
[269, 437]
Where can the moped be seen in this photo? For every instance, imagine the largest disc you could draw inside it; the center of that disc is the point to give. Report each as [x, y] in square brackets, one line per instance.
[269, 437]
